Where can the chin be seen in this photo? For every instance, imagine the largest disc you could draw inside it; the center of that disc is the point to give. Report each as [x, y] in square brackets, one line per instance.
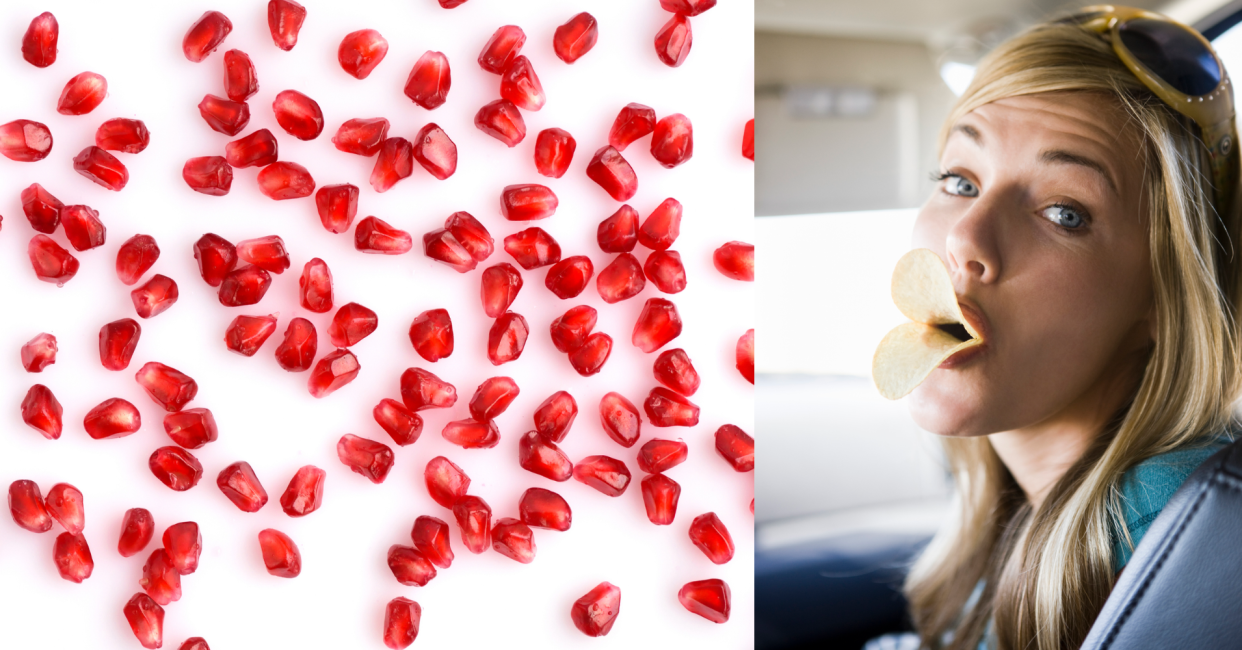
[941, 408]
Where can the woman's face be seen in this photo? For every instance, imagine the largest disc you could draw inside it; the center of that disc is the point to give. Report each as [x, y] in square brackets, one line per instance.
[1039, 218]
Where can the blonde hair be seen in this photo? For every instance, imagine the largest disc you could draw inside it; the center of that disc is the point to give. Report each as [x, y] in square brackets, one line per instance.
[1047, 572]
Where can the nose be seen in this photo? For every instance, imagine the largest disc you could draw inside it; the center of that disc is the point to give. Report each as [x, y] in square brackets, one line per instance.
[971, 243]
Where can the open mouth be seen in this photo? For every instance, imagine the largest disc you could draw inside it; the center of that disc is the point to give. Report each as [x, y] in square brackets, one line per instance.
[956, 330]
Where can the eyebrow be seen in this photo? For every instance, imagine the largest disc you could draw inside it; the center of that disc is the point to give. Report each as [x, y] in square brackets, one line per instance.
[968, 131]
[1059, 156]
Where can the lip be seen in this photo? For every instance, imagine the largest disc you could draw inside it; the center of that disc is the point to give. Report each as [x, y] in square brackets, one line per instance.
[974, 317]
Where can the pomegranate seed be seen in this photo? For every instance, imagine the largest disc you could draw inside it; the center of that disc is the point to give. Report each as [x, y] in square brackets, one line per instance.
[409, 566]
[129, 136]
[216, 258]
[595, 612]
[533, 248]
[665, 270]
[507, 338]
[657, 456]
[41, 208]
[502, 48]
[395, 162]
[315, 286]
[633, 122]
[474, 517]
[191, 428]
[493, 397]
[239, 483]
[422, 390]
[73, 557]
[673, 369]
[431, 538]
[101, 167]
[51, 262]
[332, 372]
[590, 357]
[135, 257]
[555, 415]
[267, 253]
[30, 141]
[244, 286]
[223, 115]
[514, 540]
[351, 323]
[500, 287]
[112, 418]
[42, 412]
[445, 481]
[519, 84]
[402, 424]
[570, 330]
[620, 419]
[707, 598]
[82, 94]
[305, 492]
[545, 509]
[361, 51]
[146, 619]
[337, 205]
[527, 202]
[205, 35]
[660, 496]
[710, 535]
[748, 140]
[160, 578]
[27, 507]
[568, 277]
[39, 43]
[673, 141]
[296, 352]
[298, 115]
[735, 446]
[576, 37]
[662, 227]
[240, 80]
[194, 643]
[471, 234]
[402, 615]
[184, 544]
[435, 151]
[687, 8]
[155, 297]
[363, 137]
[736, 260]
[431, 334]
[83, 228]
[658, 324]
[610, 171]
[176, 468]
[499, 119]
[168, 386]
[285, 180]
[618, 233]
[451, 4]
[668, 409]
[537, 455]
[745, 355]
[554, 149]
[39, 353]
[375, 235]
[65, 505]
[365, 457]
[672, 42]
[621, 280]
[280, 554]
[472, 434]
[442, 246]
[137, 528]
[259, 149]
[429, 80]
[608, 475]
[284, 21]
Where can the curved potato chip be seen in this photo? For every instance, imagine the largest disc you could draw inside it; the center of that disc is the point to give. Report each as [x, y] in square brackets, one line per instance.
[923, 290]
[908, 354]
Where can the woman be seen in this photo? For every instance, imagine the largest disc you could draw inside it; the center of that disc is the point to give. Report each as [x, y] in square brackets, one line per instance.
[1088, 243]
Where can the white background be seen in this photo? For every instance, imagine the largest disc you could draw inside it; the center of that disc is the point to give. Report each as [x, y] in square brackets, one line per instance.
[266, 416]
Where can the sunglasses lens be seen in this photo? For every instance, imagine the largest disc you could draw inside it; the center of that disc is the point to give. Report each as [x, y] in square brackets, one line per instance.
[1173, 54]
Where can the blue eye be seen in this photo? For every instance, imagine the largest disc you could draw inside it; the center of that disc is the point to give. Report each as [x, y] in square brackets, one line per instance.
[1064, 216]
[959, 186]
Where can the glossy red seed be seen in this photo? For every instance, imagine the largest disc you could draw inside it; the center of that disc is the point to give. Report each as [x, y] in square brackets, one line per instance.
[499, 119]
[423, 390]
[73, 557]
[673, 369]
[575, 38]
[748, 140]
[657, 456]
[280, 554]
[710, 535]
[101, 167]
[409, 566]
[608, 475]
[210, 175]
[471, 234]
[568, 277]
[155, 296]
[527, 202]
[612, 172]
[429, 80]
[160, 579]
[27, 508]
[246, 334]
[431, 538]
[351, 323]
[223, 115]
[120, 134]
[493, 397]
[736, 260]
[333, 371]
[672, 42]
[176, 468]
[65, 505]
[135, 257]
[82, 94]
[621, 280]
[395, 162]
[27, 140]
[244, 286]
[368, 458]
[619, 232]
[660, 496]
[431, 334]
[191, 428]
[736, 447]
[240, 80]
[514, 540]
[633, 122]
[533, 248]
[169, 387]
[39, 353]
[184, 544]
[337, 205]
[507, 338]
[554, 150]
[435, 151]
[363, 137]
[519, 84]
[41, 208]
[267, 253]
[51, 262]
[545, 509]
[259, 149]
[315, 286]
[401, 617]
[216, 258]
[374, 235]
[687, 8]
[590, 357]
[471, 434]
[665, 270]
[446, 482]
[537, 455]
[442, 246]
[662, 226]
[400, 423]
[620, 419]
[658, 324]
[594, 613]
[555, 416]
[285, 180]
[745, 354]
[42, 412]
[451, 4]
[500, 286]
[707, 598]
[673, 141]
[571, 329]
[112, 418]
[304, 494]
[239, 483]
[284, 21]
[39, 42]
[296, 352]
[668, 409]
[299, 115]
[361, 51]
[502, 48]
[205, 35]
[474, 517]
[146, 619]
[137, 528]
[82, 226]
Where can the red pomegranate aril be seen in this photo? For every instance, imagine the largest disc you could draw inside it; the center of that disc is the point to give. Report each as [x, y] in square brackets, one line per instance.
[368, 458]
[442, 246]
[296, 353]
[612, 172]
[668, 409]
[65, 505]
[633, 122]
[315, 286]
[514, 540]
[737, 447]
[240, 80]
[284, 21]
[39, 353]
[155, 297]
[239, 483]
[472, 434]
[748, 140]
[135, 257]
[244, 286]
[41, 208]
[210, 175]
[446, 482]
[146, 619]
[360, 136]
[28, 141]
[673, 141]
[568, 277]
[673, 369]
[298, 115]
[169, 387]
[660, 496]
[112, 418]
[351, 323]
[507, 338]
[539, 456]
[401, 616]
[707, 598]
[205, 35]
[120, 134]
[590, 357]
[361, 51]
[594, 613]
[176, 468]
[395, 162]
[608, 475]
[662, 226]
[27, 507]
[191, 428]
[435, 151]
[82, 94]
[431, 334]
[500, 286]
[51, 262]
[745, 355]
[216, 258]
[431, 538]
[184, 544]
[471, 234]
[422, 390]
[39, 42]
[621, 280]
[285, 180]
[83, 228]
[575, 38]
[280, 554]
[160, 579]
[658, 324]
[710, 535]
[519, 84]
[554, 150]
[657, 456]
[224, 115]
[429, 80]
[620, 419]
[409, 566]
[545, 509]
[499, 119]
[73, 557]
[304, 494]
[533, 248]
[337, 205]
[451, 4]
[333, 371]
[400, 423]
[137, 528]
[259, 149]
[246, 334]
[474, 517]
[672, 42]
[619, 232]
[688, 8]
[502, 48]
[555, 416]
[267, 253]
[101, 167]
[736, 260]
[665, 270]
[527, 202]
[374, 235]
[493, 397]
[571, 329]
[42, 412]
